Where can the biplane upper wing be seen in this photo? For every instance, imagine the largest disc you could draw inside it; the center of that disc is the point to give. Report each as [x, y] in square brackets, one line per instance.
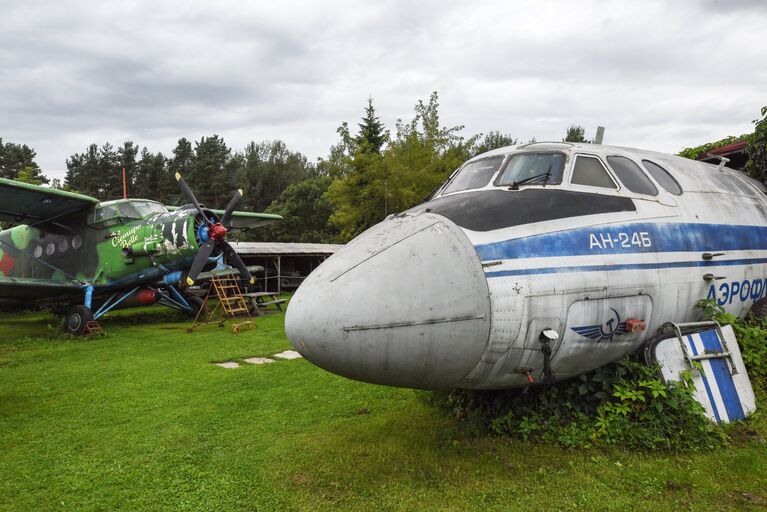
[244, 220]
[247, 220]
[22, 203]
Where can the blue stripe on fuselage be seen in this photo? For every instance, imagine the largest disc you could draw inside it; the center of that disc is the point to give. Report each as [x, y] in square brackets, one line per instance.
[625, 266]
[642, 237]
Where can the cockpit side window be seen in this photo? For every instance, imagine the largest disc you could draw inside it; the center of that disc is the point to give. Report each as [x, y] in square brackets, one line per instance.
[590, 171]
[533, 169]
[663, 177]
[632, 176]
[475, 174]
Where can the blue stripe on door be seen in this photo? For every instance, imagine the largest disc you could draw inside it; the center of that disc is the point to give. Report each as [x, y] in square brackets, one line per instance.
[721, 371]
[705, 381]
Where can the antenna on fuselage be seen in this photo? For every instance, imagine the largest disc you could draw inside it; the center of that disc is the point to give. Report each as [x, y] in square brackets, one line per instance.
[722, 161]
[600, 135]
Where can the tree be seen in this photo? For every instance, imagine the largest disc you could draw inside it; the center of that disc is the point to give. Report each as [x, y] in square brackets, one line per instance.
[494, 140]
[126, 159]
[15, 158]
[149, 176]
[305, 210]
[422, 155]
[182, 162]
[268, 168]
[211, 178]
[757, 149]
[575, 133]
[372, 135]
[31, 175]
[83, 172]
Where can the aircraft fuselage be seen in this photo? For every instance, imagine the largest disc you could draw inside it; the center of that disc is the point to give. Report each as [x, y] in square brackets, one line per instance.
[457, 291]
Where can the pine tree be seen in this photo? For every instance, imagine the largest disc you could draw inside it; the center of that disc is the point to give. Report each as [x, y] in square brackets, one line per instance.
[372, 135]
[18, 158]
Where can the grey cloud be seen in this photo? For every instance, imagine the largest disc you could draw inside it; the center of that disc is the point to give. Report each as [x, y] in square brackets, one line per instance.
[658, 75]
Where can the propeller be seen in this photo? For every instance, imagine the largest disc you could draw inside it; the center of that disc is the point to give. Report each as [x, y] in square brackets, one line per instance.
[212, 235]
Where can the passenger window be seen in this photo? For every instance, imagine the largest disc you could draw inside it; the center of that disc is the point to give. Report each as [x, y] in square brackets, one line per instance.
[588, 170]
[474, 175]
[663, 177]
[632, 176]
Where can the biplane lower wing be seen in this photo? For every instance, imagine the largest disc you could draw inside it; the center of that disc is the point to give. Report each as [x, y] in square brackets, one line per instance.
[21, 290]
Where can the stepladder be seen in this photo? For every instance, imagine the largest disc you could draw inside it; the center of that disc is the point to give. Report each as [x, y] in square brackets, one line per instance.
[230, 305]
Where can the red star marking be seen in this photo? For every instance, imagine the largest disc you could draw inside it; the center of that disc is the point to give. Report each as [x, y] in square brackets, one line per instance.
[6, 264]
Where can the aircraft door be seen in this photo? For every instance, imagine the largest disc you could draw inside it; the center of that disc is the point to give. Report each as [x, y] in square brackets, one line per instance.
[598, 331]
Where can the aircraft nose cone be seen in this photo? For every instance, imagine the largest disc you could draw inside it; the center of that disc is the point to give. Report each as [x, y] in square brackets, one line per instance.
[404, 304]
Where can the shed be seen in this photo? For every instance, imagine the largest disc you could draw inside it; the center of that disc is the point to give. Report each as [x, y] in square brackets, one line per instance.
[286, 265]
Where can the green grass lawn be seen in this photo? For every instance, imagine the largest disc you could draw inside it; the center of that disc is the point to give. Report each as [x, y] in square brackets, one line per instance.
[141, 420]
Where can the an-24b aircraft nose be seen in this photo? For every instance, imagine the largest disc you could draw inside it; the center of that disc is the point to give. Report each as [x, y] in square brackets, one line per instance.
[404, 304]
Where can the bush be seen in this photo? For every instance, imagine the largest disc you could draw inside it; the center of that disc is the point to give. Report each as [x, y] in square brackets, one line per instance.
[623, 403]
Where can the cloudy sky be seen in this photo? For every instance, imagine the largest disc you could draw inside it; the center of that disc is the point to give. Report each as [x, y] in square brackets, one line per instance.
[658, 75]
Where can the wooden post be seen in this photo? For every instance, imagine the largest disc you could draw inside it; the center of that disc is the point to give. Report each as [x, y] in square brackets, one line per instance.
[279, 274]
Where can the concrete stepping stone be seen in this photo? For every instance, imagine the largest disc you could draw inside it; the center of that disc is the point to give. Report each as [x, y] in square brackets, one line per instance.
[288, 354]
[228, 364]
[259, 360]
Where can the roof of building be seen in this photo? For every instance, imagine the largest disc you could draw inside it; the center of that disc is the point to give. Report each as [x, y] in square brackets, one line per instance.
[281, 248]
[725, 150]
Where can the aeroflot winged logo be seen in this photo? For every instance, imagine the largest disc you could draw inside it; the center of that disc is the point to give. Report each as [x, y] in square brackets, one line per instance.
[611, 328]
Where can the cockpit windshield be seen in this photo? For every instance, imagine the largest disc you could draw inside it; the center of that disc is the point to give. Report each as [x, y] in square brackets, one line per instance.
[118, 211]
[475, 174]
[533, 169]
[144, 208]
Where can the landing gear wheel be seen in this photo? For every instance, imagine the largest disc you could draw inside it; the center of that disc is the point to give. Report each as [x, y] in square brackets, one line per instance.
[197, 304]
[759, 309]
[77, 318]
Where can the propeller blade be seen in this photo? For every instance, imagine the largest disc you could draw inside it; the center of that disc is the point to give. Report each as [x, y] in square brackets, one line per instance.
[199, 261]
[233, 203]
[190, 196]
[234, 259]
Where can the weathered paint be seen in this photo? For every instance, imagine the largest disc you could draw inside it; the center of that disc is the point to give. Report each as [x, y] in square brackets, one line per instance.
[577, 275]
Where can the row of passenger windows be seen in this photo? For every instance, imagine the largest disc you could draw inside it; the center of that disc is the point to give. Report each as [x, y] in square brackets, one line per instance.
[588, 170]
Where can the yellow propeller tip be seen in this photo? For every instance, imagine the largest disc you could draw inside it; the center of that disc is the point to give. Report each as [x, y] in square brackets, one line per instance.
[189, 281]
[178, 176]
[240, 191]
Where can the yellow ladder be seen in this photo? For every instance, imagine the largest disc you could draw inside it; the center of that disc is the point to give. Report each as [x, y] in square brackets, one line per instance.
[225, 289]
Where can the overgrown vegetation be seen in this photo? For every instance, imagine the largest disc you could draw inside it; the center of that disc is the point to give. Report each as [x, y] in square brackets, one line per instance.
[697, 151]
[621, 404]
[624, 403]
[757, 149]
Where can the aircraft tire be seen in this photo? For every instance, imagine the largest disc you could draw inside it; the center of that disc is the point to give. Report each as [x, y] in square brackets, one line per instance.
[759, 309]
[77, 317]
[196, 302]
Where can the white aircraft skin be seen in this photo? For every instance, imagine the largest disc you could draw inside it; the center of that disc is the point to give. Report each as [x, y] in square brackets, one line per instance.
[456, 292]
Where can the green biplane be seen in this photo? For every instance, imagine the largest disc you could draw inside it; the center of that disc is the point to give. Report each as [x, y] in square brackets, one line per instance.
[74, 254]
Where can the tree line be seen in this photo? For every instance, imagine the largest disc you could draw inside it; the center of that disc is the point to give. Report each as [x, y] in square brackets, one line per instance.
[369, 173]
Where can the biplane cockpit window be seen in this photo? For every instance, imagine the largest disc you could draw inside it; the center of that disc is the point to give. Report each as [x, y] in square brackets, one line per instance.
[118, 211]
[533, 169]
[139, 209]
[103, 213]
[473, 175]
